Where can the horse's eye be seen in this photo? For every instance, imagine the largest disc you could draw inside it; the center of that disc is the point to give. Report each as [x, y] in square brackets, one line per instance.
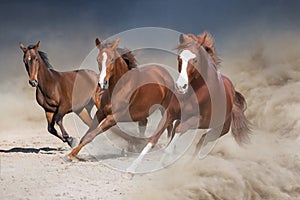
[36, 59]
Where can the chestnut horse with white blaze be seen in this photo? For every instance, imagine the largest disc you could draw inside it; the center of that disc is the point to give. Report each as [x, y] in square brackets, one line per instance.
[128, 94]
[60, 93]
[206, 99]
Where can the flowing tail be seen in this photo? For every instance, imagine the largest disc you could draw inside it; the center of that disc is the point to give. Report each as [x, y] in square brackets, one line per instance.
[240, 125]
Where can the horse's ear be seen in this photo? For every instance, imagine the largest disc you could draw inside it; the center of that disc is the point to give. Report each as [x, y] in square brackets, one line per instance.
[98, 43]
[24, 49]
[202, 39]
[116, 43]
[36, 47]
[184, 38]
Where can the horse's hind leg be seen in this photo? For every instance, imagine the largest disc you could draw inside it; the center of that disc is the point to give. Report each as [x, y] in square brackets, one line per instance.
[51, 123]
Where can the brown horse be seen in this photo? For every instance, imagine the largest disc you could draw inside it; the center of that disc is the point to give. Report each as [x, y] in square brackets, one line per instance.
[129, 95]
[60, 93]
[205, 99]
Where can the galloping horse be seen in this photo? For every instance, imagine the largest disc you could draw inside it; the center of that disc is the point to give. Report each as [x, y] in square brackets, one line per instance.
[206, 99]
[121, 101]
[58, 93]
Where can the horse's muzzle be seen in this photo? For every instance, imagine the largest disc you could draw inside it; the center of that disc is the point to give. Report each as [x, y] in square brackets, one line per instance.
[33, 83]
[104, 85]
[181, 89]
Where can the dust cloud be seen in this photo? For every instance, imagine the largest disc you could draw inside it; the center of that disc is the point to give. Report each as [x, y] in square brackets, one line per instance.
[266, 69]
[18, 105]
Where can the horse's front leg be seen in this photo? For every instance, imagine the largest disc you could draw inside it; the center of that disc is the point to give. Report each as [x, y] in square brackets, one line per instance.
[172, 142]
[90, 135]
[142, 127]
[165, 122]
[51, 123]
[189, 124]
[85, 116]
[85, 113]
[208, 140]
[58, 118]
[170, 127]
[179, 129]
[70, 140]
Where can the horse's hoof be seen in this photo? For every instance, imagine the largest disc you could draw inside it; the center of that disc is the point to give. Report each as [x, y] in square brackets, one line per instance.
[68, 158]
[128, 175]
[72, 142]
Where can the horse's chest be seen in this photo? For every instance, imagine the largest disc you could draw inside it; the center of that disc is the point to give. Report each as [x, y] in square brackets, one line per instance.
[188, 109]
[46, 102]
[192, 107]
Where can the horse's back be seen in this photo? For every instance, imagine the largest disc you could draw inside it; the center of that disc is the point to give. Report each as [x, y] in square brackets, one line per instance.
[156, 74]
[143, 88]
[79, 86]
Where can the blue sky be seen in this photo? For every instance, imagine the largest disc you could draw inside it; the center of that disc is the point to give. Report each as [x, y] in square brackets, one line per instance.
[67, 30]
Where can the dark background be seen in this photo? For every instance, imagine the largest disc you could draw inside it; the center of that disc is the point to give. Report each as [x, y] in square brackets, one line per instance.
[67, 29]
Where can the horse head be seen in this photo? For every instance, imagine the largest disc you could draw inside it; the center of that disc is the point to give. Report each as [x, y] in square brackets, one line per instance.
[188, 61]
[106, 59]
[31, 61]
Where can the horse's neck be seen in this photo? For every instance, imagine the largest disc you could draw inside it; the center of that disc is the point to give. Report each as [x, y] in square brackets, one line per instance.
[45, 76]
[213, 72]
[120, 69]
[208, 74]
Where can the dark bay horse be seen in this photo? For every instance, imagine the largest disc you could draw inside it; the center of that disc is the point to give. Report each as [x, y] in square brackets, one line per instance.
[205, 98]
[60, 93]
[129, 95]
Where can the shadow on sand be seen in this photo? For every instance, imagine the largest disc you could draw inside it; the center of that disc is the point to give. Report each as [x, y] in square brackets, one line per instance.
[46, 150]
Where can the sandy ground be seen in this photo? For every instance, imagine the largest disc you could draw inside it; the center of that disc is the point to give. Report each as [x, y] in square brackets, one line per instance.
[32, 168]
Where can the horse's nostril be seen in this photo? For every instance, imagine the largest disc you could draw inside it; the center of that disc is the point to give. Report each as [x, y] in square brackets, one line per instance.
[185, 86]
[103, 85]
[33, 83]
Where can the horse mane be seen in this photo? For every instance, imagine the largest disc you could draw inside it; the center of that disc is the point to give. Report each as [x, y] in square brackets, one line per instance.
[125, 53]
[43, 55]
[45, 59]
[209, 45]
[128, 57]
[183, 45]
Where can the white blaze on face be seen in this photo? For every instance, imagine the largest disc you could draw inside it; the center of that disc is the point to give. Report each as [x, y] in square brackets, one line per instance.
[103, 70]
[185, 56]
